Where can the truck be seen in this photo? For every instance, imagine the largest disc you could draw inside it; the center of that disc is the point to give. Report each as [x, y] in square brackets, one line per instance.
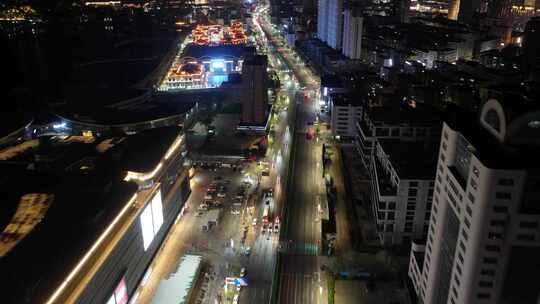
[211, 219]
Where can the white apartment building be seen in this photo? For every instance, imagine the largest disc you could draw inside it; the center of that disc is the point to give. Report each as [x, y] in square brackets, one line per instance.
[352, 33]
[407, 123]
[334, 23]
[345, 110]
[403, 174]
[322, 20]
[483, 243]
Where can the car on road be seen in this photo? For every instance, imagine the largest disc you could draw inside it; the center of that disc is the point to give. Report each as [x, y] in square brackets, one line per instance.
[208, 196]
[242, 272]
[247, 251]
[222, 194]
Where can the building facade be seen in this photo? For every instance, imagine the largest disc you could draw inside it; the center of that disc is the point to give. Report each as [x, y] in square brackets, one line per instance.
[352, 33]
[334, 24]
[484, 231]
[254, 90]
[322, 20]
[345, 110]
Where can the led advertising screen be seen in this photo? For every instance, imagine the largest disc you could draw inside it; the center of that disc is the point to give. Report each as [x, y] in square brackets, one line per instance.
[146, 226]
[157, 211]
[151, 219]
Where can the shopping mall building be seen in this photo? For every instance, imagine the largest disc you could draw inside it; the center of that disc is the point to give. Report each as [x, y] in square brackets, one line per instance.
[84, 215]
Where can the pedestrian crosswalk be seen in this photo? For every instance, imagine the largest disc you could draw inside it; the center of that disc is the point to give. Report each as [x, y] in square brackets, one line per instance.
[299, 248]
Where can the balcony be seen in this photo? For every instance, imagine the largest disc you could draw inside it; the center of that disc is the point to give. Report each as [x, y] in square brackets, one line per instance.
[383, 180]
[364, 130]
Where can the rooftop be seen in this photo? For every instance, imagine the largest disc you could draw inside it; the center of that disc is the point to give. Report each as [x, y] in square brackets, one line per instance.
[346, 100]
[221, 51]
[59, 196]
[520, 149]
[411, 159]
[136, 108]
[418, 114]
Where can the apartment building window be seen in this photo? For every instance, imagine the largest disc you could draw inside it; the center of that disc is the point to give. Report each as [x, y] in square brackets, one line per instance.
[462, 246]
[438, 189]
[391, 216]
[525, 237]
[427, 216]
[458, 268]
[435, 209]
[432, 228]
[413, 184]
[413, 192]
[506, 182]
[473, 184]
[485, 284]
[392, 205]
[460, 257]
[410, 213]
[456, 279]
[454, 291]
[503, 195]
[409, 217]
[443, 158]
[500, 209]
[394, 132]
[493, 248]
[495, 236]
[430, 192]
[408, 229]
[389, 227]
[490, 260]
[528, 225]
[476, 171]
[488, 272]
[469, 210]
[411, 207]
[467, 223]
[471, 197]
[444, 146]
[465, 235]
[483, 296]
[445, 134]
[441, 168]
[382, 205]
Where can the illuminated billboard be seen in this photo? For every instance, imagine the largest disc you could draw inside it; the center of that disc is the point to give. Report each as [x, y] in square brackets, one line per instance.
[151, 219]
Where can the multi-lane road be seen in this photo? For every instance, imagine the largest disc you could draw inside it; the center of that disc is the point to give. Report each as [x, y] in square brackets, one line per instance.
[300, 280]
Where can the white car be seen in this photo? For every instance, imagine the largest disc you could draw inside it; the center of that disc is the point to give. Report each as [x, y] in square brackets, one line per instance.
[208, 196]
[221, 194]
[242, 272]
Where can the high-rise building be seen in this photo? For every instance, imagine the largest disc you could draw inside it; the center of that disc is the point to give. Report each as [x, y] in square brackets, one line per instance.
[322, 20]
[531, 45]
[254, 90]
[483, 240]
[352, 32]
[463, 11]
[334, 23]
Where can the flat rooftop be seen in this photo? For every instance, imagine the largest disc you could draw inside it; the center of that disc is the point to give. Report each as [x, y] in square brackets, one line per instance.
[127, 111]
[488, 149]
[412, 159]
[346, 100]
[220, 51]
[405, 114]
[78, 187]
